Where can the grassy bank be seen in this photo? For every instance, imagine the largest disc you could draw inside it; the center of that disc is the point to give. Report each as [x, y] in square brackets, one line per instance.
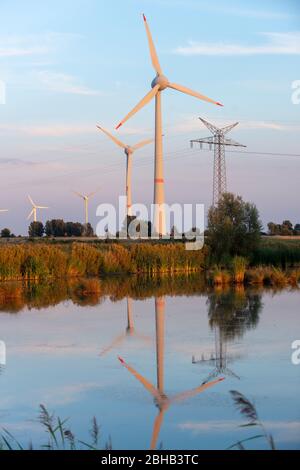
[40, 261]
[282, 253]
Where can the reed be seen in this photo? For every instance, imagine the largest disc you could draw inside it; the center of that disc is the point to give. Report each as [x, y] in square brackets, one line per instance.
[239, 265]
[219, 276]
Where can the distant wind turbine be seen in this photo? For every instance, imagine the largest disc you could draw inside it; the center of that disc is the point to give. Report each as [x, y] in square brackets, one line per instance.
[128, 152]
[3, 210]
[159, 84]
[86, 199]
[34, 209]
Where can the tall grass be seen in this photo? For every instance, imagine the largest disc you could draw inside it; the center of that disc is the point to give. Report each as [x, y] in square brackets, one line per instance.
[58, 435]
[40, 261]
[277, 253]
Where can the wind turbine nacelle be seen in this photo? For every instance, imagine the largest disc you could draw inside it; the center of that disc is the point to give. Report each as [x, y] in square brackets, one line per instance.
[160, 80]
[128, 151]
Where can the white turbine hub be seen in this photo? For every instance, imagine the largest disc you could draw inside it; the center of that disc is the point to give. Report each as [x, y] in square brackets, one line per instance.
[160, 80]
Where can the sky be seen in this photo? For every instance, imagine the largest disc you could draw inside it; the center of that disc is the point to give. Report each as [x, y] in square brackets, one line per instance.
[69, 65]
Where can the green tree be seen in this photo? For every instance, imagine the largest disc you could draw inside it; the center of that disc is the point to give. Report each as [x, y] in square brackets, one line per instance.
[5, 233]
[55, 228]
[87, 230]
[233, 228]
[36, 229]
[74, 229]
[287, 228]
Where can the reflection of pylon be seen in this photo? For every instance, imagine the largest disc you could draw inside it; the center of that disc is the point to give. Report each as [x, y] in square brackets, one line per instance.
[219, 360]
[219, 141]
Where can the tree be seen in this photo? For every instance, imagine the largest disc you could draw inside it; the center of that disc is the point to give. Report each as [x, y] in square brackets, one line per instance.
[233, 227]
[5, 233]
[55, 228]
[87, 230]
[36, 229]
[287, 228]
[297, 229]
[74, 229]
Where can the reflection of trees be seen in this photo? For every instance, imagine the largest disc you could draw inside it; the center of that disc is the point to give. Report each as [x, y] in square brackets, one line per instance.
[231, 312]
[234, 311]
[15, 296]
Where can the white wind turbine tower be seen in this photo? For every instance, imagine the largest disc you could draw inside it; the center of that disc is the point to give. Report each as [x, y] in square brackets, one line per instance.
[128, 150]
[159, 84]
[86, 199]
[34, 209]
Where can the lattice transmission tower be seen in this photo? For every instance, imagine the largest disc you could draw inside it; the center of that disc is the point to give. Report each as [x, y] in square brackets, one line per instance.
[218, 141]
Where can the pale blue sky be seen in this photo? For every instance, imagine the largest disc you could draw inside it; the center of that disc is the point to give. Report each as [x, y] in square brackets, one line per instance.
[69, 65]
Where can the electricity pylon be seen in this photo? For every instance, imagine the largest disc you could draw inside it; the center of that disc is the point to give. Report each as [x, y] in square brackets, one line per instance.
[218, 140]
[220, 359]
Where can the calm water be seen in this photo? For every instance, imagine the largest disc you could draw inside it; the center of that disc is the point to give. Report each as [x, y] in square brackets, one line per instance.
[62, 344]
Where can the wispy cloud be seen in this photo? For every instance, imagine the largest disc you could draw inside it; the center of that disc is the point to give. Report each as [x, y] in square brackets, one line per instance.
[192, 124]
[16, 162]
[276, 43]
[49, 130]
[63, 83]
[10, 51]
[34, 44]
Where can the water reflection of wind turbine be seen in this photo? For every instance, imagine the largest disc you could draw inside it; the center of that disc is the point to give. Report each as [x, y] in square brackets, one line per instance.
[162, 401]
[130, 331]
[220, 359]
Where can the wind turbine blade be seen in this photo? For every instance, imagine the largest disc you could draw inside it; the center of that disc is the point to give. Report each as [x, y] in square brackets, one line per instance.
[78, 194]
[31, 200]
[148, 386]
[141, 144]
[41, 207]
[156, 428]
[118, 340]
[153, 54]
[3, 210]
[195, 391]
[113, 138]
[31, 213]
[140, 105]
[187, 91]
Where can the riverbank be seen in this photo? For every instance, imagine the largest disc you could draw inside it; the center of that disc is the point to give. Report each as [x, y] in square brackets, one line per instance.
[274, 263]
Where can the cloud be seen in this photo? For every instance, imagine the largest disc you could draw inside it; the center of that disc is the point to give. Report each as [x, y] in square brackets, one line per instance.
[16, 162]
[26, 45]
[192, 124]
[284, 431]
[50, 130]
[21, 51]
[63, 83]
[276, 43]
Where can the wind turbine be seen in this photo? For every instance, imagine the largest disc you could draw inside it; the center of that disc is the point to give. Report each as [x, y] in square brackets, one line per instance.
[3, 210]
[159, 84]
[128, 150]
[86, 199]
[162, 401]
[130, 331]
[34, 208]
